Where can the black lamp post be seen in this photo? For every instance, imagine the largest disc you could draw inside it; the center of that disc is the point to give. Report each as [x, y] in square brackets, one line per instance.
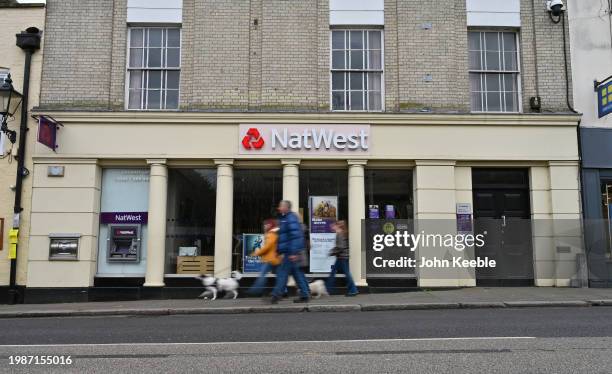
[29, 42]
[9, 102]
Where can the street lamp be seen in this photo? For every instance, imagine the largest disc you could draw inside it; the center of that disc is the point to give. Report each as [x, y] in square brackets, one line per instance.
[9, 103]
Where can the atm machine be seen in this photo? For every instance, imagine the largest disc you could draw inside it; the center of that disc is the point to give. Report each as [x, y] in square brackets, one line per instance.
[124, 243]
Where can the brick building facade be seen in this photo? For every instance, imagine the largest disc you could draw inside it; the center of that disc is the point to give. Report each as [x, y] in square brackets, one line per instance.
[163, 105]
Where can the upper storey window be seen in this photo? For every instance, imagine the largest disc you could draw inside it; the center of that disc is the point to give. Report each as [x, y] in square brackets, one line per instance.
[357, 70]
[494, 71]
[154, 68]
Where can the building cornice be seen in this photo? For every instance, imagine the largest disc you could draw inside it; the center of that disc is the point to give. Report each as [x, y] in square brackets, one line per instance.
[198, 118]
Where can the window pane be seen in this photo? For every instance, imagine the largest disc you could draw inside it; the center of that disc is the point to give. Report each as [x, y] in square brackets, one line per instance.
[475, 60]
[510, 82]
[153, 98]
[136, 37]
[174, 58]
[357, 100]
[511, 102]
[374, 60]
[476, 102]
[134, 99]
[375, 102]
[338, 100]
[492, 82]
[155, 37]
[136, 57]
[356, 39]
[510, 61]
[136, 79]
[356, 60]
[338, 60]
[155, 79]
[374, 40]
[509, 41]
[155, 60]
[493, 61]
[356, 81]
[174, 38]
[374, 81]
[493, 102]
[492, 41]
[172, 99]
[338, 40]
[474, 41]
[475, 82]
[338, 81]
[173, 79]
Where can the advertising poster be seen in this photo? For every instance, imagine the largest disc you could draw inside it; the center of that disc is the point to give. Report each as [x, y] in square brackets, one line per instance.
[373, 212]
[251, 243]
[323, 214]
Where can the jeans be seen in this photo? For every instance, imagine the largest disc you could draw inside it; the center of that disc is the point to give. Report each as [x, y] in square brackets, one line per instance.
[286, 268]
[342, 265]
[260, 282]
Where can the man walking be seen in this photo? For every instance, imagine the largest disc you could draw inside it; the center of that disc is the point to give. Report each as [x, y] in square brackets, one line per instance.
[291, 246]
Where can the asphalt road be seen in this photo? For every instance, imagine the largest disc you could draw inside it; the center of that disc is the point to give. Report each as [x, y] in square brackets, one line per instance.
[533, 340]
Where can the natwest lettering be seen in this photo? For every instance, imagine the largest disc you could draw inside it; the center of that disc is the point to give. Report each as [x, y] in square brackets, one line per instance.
[319, 138]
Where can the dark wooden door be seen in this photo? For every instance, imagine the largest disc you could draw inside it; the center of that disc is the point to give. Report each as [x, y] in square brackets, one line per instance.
[502, 210]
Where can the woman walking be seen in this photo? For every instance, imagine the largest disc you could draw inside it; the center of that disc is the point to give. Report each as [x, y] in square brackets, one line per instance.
[341, 251]
[268, 254]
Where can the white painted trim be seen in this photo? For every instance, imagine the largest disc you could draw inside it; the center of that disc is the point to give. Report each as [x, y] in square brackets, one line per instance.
[356, 5]
[357, 17]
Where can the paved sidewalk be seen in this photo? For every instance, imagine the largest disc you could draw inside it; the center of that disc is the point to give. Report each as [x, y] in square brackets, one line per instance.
[442, 299]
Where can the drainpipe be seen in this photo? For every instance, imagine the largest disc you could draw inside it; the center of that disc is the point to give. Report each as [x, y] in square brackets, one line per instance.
[29, 42]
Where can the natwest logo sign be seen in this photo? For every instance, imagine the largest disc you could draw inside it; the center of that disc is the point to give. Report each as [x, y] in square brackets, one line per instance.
[316, 139]
[253, 139]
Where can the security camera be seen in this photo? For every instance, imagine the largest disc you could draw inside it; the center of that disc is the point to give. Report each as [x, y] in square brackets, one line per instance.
[555, 7]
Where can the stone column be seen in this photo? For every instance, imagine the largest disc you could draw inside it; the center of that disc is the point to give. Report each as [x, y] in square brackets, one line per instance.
[356, 209]
[156, 237]
[224, 222]
[291, 182]
[435, 213]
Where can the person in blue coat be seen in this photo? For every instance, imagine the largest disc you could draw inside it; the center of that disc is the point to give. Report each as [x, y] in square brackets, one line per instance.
[291, 247]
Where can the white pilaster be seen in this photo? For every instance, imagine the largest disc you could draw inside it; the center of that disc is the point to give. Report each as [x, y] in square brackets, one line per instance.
[224, 218]
[291, 182]
[356, 202]
[156, 237]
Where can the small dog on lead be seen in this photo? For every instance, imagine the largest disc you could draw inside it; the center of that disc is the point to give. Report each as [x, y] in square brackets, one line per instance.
[318, 289]
[214, 285]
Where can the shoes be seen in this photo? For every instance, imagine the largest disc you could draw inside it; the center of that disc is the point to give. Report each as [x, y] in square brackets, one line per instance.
[274, 299]
[351, 294]
[301, 300]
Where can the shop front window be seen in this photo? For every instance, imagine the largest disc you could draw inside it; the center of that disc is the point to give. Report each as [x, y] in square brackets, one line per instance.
[190, 228]
[323, 200]
[606, 199]
[257, 192]
[389, 194]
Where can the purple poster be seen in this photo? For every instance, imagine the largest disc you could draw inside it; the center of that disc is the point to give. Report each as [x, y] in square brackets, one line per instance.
[323, 215]
[374, 213]
[124, 217]
[389, 212]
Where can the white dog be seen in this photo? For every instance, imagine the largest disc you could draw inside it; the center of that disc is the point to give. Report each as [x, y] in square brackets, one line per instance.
[318, 289]
[214, 285]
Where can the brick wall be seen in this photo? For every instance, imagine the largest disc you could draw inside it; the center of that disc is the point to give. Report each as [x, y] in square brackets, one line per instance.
[273, 55]
[76, 69]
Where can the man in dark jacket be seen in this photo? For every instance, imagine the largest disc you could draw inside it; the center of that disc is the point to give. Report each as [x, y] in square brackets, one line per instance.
[291, 245]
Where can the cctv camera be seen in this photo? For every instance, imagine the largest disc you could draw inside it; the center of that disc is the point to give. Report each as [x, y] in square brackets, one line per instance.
[555, 7]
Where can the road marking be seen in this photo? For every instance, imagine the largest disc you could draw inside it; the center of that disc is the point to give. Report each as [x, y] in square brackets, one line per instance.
[269, 342]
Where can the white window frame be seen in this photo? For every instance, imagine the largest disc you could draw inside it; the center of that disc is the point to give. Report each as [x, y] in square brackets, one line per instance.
[364, 70]
[163, 69]
[517, 71]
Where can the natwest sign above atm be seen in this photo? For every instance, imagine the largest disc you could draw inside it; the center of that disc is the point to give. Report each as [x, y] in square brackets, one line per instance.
[304, 139]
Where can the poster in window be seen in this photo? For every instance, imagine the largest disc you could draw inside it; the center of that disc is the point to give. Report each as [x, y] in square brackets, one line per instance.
[251, 243]
[323, 215]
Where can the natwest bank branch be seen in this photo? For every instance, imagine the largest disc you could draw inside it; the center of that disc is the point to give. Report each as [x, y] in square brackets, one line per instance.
[151, 199]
